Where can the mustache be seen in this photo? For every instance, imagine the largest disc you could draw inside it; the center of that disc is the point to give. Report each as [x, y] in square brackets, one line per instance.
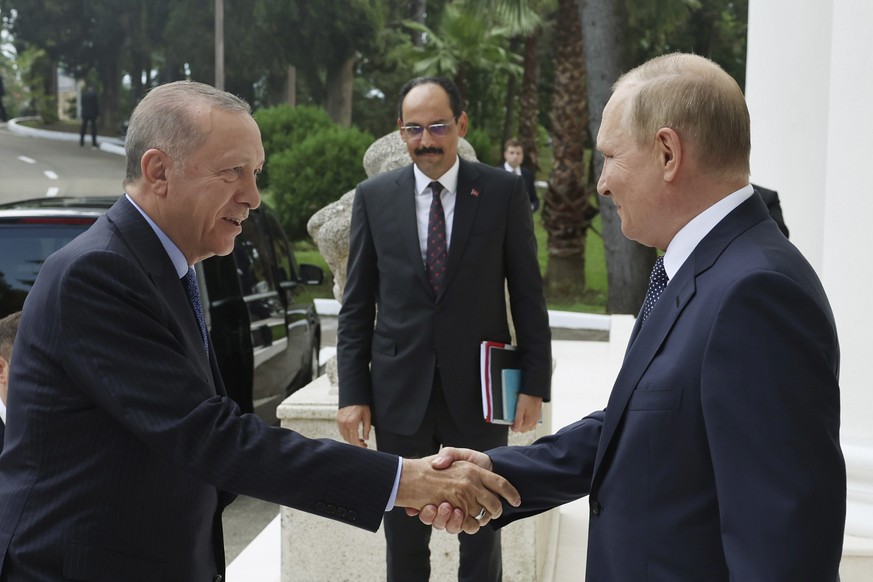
[429, 150]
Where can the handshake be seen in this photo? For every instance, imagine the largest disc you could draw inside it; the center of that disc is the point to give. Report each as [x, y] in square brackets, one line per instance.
[454, 490]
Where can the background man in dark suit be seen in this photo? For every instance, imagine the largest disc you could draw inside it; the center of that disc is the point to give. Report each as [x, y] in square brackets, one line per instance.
[90, 111]
[8, 330]
[416, 308]
[513, 156]
[718, 455]
[122, 447]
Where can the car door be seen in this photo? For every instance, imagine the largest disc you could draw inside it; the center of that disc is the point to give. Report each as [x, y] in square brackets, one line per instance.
[300, 341]
[269, 333]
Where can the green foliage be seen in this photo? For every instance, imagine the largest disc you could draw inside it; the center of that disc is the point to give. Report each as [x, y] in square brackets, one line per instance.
[315, 172]
[283, 127]
[488, 151]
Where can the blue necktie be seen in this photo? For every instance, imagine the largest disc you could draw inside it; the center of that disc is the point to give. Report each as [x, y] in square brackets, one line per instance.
[657, 283]
[193, 291]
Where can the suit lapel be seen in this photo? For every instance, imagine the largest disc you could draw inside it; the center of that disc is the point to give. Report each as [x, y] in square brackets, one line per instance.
[645, 343]
[466, 204]
[403, 202]
[145, 246]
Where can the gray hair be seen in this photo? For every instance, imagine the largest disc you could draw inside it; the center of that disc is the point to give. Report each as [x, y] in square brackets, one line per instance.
[164, 120]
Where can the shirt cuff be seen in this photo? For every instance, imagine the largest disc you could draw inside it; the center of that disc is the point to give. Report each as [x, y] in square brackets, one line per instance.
[393, 497]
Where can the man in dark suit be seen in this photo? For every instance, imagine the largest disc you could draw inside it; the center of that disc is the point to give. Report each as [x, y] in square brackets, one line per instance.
[8, 330]
[122, 448]
[90, 111]
[771, 199]
[432, 248]
[513, 156]
[718, 455]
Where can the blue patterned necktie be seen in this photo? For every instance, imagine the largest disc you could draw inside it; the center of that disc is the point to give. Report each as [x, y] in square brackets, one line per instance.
[657, 283]
[193, 291]
[437, 249]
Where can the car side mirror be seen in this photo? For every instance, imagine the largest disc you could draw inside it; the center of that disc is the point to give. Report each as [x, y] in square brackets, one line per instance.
[311, 274]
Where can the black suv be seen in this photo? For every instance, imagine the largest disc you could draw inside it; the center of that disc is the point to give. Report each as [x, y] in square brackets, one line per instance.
[265, 332]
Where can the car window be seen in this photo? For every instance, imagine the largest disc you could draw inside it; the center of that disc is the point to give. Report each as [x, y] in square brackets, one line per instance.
[25, 247]
[286, 268]
[253, 260]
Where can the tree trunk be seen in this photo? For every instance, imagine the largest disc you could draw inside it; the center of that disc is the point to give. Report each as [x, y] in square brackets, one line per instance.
[418, 11]
[627, 263]
[566, 213]
[340, 82]
[529, 107]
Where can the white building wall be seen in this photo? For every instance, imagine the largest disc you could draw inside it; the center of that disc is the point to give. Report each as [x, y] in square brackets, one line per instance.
[809, 85]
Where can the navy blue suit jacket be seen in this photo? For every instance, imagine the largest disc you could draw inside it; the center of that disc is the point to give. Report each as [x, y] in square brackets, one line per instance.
[122, 445]
[717, 457]
[387, 356]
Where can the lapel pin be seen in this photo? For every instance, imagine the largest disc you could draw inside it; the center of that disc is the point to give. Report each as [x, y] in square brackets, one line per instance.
[474, 192]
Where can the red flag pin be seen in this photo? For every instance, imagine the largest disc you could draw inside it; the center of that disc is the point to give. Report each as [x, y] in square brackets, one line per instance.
[474, 192]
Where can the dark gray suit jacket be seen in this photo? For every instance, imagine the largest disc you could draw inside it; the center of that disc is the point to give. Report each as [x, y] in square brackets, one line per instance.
[394, 332]
[121, 442]
[718, 455]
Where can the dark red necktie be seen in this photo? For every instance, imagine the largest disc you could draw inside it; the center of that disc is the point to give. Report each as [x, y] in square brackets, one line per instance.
[435, 261]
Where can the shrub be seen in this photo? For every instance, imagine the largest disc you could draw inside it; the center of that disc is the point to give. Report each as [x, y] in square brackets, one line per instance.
[484, 146]
[314, 173]
[283, 127]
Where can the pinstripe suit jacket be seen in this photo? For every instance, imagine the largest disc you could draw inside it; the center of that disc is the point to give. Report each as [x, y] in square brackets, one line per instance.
[122, 443]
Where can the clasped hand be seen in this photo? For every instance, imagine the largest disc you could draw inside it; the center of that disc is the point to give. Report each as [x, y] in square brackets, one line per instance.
[448, 490]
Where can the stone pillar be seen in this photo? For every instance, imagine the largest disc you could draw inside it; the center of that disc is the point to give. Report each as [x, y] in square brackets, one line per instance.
[809, 90]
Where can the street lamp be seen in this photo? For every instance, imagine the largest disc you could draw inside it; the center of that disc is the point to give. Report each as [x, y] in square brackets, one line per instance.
[219, 44]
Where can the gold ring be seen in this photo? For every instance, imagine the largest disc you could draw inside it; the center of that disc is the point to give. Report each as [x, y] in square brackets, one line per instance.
[481, 514]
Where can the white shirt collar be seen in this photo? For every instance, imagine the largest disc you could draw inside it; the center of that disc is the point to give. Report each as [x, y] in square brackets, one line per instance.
[508, 168]
[3, 411]
[179, 261]
[687, 239]
[449, 180]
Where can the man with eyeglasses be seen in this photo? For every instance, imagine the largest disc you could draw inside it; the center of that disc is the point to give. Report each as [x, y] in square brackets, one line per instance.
[432, 248]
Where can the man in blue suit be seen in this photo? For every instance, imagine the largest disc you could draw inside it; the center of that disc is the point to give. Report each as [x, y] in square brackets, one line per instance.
[717, 457]
[122, 447]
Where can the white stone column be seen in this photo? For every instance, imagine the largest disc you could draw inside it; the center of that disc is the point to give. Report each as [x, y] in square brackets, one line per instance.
[809, 85]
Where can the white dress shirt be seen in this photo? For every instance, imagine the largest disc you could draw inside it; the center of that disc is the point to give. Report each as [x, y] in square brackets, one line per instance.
[687, 239]
[424, 197]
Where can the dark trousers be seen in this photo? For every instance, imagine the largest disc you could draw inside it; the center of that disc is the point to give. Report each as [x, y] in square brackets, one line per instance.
[408, 554]
[85, 122]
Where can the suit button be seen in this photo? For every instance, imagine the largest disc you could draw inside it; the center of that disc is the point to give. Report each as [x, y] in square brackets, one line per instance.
[437, 308]
[595, 507]
[352, 515]
[331, 509]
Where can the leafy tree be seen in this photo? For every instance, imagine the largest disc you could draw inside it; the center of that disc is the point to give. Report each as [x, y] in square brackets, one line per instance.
[323, 40]
[473, 52]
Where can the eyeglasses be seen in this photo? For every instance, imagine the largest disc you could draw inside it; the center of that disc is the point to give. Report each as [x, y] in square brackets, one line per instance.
[435, 129]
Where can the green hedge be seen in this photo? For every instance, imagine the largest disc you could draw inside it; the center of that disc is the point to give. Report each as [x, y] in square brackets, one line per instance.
[315, 172]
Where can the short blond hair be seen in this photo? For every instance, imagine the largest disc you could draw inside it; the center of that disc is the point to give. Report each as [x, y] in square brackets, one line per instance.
[697, 99]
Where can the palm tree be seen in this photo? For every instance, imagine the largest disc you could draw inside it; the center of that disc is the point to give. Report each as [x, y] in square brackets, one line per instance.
[567, 210]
